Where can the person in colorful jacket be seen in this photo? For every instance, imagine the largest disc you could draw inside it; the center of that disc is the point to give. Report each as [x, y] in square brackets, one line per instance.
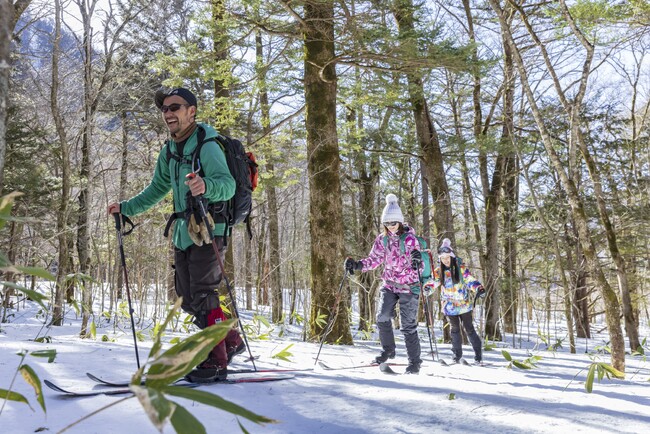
[197, 271]
[393, 248]
[458, 293]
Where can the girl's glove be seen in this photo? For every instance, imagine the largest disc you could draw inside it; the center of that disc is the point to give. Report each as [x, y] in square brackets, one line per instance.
[351, 265]
[416, 259]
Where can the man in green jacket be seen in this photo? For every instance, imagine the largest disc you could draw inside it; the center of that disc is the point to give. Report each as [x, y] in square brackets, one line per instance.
[197, 271]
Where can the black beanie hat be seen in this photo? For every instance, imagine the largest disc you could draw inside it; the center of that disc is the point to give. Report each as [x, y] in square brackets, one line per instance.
[180, 91]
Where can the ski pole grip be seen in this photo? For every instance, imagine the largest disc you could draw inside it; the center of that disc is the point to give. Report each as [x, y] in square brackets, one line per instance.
[119, 218]
[118, 221]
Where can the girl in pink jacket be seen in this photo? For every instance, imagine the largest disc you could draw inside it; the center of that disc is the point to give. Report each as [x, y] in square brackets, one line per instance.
[393, 248]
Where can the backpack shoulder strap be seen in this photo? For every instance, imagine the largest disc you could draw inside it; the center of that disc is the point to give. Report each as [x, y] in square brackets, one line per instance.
[169, 154]
[196, 154]
[402, 242]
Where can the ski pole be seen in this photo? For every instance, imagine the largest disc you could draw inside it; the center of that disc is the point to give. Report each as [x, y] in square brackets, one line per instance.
[213, 240]
[118, 226]
[426, 316]
[333, 315]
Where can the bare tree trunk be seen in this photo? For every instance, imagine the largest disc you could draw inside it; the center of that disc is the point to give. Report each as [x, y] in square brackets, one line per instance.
[325, 204]
[479, 134]
[511, 280]
[15, 229]
[551, 234]
[367, 168]
[83, 249]
[124, 174]
[248, 267]
[631, 327]
[271, 195]
[578, 285]
[292, 267]
[427, 135]
[493, 301]
[261, 296]
[62, 214]
[610, 300]
[6, 18]
[222, 97]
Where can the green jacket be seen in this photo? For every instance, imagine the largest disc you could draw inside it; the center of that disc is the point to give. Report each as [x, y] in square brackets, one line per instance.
[170, 175]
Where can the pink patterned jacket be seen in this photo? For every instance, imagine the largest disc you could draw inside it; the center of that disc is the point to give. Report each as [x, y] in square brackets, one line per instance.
[398, 275]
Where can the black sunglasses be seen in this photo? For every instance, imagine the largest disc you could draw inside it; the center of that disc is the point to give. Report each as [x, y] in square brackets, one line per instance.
[391, 223]
[172, 107]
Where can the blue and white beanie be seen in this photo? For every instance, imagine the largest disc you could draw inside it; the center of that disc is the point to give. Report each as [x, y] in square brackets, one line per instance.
[392, 211]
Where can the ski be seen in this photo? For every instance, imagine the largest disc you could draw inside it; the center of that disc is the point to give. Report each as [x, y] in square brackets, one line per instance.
[367, 365]
[80, 393]
[268, 370]
[123, 391]
[453, 362]
[109, 383]
[386, 369]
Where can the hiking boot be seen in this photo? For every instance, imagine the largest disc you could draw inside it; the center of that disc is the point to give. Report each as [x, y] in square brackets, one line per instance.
[206, 375]
[385, 355]
[208, 371]
[413, 367]
[232, 352]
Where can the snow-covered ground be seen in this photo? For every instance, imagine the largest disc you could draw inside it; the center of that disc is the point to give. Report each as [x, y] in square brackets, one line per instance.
[492, 399]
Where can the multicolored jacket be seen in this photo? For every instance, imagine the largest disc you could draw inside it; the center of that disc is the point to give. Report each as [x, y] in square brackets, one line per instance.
[170, 175]
[458, 298]
[398, 275]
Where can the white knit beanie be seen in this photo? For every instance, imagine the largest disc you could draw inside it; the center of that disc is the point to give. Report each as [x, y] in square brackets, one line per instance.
[392, 211]
[445, 248]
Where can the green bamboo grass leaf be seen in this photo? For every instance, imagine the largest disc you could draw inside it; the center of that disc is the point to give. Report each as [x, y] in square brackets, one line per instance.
[184, 356]
[158, 408]
[589, 382]
[506, 355]
[521, 365]
[216, 401]
[601, 372]
[244, 430]
[262, 319]
[613, 371]
[49, 354]
[38, 272]
[6, 202]
[32, 379]
[157, 344]
[13, 396]
[185, 423]
[33, 295]
[284, 354]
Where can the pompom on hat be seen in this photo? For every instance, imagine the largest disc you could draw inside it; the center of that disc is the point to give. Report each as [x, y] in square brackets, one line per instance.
[392, 211]
[445, 248]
